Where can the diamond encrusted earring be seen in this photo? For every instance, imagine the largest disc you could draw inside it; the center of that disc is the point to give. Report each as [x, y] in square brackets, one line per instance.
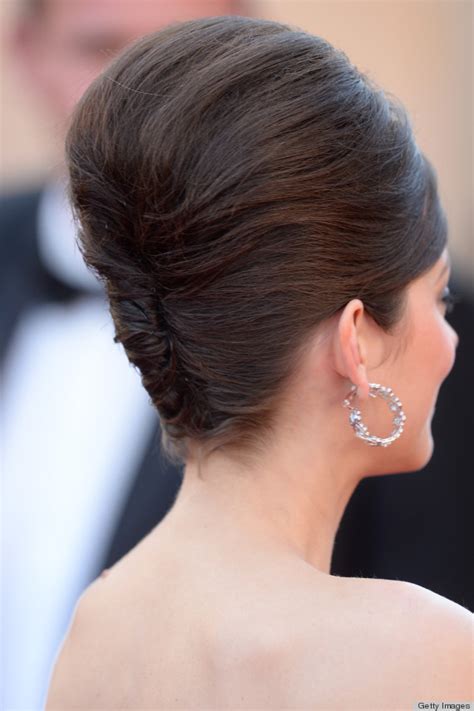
[355, 417]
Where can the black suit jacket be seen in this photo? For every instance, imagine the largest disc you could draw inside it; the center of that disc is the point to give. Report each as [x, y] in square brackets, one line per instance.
[412, 526]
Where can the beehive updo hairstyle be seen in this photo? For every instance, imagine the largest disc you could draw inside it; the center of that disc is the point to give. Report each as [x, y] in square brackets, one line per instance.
[235, 182]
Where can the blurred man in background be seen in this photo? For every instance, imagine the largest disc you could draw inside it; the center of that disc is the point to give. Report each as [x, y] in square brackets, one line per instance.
[78, 428]
[83, 476]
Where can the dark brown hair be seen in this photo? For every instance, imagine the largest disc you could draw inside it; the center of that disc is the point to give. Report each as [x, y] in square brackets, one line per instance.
[236, 182]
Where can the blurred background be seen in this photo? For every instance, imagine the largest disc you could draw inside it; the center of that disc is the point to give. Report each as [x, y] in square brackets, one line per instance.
[82, 475]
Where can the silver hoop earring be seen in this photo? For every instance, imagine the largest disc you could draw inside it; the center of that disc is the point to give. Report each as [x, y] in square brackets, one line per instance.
[355, 416]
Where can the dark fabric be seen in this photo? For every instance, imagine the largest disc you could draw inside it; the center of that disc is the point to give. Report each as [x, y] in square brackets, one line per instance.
[413, 526]
[24, 280]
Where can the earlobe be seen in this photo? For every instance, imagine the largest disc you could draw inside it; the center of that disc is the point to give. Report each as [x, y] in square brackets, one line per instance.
[362, 383]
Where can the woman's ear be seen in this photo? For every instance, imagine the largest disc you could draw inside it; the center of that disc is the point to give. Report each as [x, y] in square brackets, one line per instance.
[349, 347]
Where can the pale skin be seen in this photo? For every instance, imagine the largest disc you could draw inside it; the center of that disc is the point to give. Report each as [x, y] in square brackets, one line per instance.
[234, 584]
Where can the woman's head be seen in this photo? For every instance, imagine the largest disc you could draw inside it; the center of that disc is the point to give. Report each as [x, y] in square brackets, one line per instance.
[237, 184]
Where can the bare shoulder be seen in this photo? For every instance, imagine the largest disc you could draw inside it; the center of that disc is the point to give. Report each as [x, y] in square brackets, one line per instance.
[72, 684]
[62, 683]
[432, 620]
[405, 642]
[441, 633]
[416, 604]
[335, 644]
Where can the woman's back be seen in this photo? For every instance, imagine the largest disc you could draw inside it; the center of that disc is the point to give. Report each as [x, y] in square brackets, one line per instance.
[170, 628]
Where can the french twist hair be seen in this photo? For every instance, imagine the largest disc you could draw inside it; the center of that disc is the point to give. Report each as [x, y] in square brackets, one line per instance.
[236, 182]
[144, 330]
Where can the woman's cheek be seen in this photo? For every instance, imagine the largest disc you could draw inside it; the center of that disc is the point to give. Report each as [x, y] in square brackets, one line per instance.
[450, 341]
